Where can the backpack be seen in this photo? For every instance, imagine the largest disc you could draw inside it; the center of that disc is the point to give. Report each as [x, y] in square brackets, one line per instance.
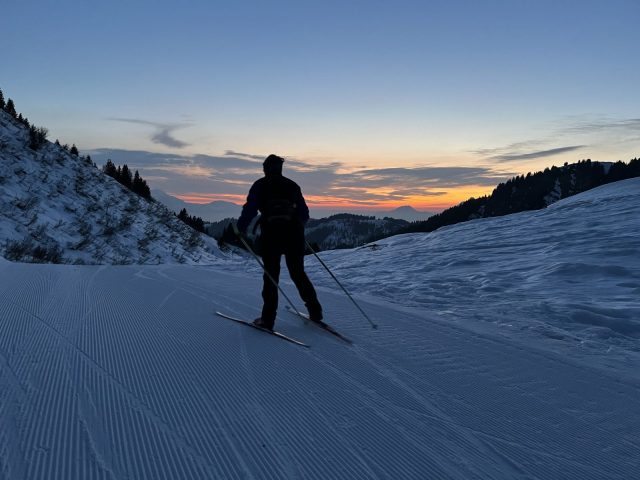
[279, 210]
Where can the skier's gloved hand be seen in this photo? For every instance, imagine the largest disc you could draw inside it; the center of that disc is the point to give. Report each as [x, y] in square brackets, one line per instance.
[239, 230]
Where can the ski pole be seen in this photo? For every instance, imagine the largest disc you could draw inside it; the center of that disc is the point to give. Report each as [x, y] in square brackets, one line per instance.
[341, 286]
[244, 242]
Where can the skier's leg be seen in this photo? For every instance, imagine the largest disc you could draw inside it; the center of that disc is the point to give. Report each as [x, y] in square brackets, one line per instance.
[269, 290]
[295, 264]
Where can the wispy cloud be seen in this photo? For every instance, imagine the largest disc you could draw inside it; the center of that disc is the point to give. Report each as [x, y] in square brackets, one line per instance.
[511, 157]
[163, 131]
[604, 125]
[575, 131]
[513, 147]
[231, 153]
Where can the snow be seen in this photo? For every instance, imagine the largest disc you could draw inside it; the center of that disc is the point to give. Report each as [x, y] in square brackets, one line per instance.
[566, 277]
[124, 372]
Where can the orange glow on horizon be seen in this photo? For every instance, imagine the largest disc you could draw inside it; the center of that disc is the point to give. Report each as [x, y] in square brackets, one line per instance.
[447, 198]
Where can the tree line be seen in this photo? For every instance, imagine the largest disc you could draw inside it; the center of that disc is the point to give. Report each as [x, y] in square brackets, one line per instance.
[139, 185]
[531, 192]
[37, 135]
[194, 222]
[123, 175]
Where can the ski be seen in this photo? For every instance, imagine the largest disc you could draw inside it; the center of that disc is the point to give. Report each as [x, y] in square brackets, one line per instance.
[271, 332]
[324, 326]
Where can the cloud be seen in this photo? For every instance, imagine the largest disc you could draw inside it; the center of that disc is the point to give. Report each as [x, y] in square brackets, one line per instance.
[604, 125]
[518, 146]
[598, 131]
[511, 157]
[231, 153]
[230, 175]
[163, 132]
[424, 177]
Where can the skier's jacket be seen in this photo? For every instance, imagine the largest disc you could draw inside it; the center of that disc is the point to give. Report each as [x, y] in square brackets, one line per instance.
[280, 203]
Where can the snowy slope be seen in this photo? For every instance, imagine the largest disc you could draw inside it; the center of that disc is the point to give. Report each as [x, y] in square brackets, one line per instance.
[124, 372]
[568, 275]
[62, 205]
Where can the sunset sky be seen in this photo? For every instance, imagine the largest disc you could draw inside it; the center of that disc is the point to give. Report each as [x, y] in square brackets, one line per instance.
[373, 104]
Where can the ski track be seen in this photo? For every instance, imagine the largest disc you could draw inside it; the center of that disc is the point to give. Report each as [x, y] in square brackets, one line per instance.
[125, 372]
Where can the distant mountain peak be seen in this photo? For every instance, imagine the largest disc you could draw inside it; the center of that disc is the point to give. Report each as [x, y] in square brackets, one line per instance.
[406, 209]
[210, 212]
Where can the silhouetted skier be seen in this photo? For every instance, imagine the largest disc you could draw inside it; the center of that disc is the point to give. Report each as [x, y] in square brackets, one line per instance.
[283, 216]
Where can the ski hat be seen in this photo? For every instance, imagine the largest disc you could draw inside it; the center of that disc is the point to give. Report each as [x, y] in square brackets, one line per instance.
[272, 164]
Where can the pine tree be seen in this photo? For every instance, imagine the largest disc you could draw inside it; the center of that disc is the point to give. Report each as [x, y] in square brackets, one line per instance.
[110, 169]
[198, 224]
[11, 109]
[125, 176]
[137, 183]
[74, 150]
[146, 191]
[37, 137]
[139, 186]
[143, 188]
[2, 102]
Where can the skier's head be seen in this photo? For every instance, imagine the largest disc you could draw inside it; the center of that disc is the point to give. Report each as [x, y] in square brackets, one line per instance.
[272, 165]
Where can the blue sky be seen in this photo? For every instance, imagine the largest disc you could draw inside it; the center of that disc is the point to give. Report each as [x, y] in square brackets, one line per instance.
[404, 89]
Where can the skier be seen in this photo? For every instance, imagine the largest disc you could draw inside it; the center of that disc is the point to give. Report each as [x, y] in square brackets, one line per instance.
[283, 216]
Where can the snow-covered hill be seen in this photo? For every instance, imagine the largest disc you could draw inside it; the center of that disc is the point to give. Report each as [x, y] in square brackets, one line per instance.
[117, 372]
[57, 207]
[568, 275]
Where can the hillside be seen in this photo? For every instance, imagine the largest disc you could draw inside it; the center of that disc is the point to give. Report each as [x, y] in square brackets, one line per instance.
[532, 192]
[347, 231]
[505, 350]
[58, 207]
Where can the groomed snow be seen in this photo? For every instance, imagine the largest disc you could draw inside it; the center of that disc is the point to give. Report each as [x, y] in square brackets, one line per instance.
[124, 372]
